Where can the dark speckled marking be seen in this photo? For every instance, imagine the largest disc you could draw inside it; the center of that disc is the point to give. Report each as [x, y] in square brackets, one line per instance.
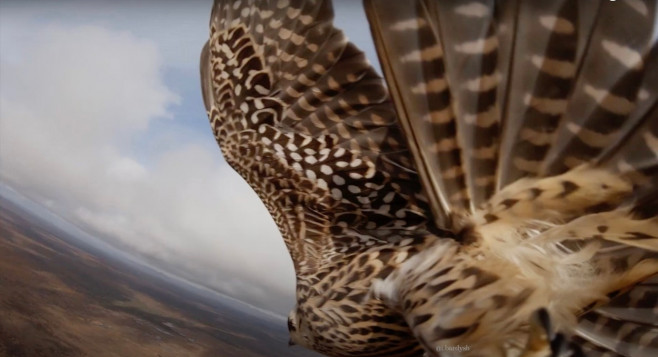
[490, 218]
[509, 203]
[535, 192]
[441, 272]
[440, 332]
[619, 264]
[499, 301]
[589, 306]
[521, 297]
[568, 188]
[419, 286]
[369, 270]
[357, 298]
[420, 319]
[639, 236]
[601, 207]
[453, 293]
[348, 308]
[386, 271]
[482, 278]
[363, 260]
[436, 288]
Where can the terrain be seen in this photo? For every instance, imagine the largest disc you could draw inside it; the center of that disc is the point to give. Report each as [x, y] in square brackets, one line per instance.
[59, 297]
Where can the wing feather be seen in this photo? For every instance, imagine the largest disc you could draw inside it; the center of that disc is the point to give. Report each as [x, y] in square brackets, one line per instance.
[300, 114]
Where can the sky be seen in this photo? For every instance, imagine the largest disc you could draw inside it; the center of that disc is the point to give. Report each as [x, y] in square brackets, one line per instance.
[102, 123]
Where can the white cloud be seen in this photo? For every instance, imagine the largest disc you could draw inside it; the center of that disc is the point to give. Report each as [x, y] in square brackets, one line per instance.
[74, 96]
[73, 99]
[178, 27]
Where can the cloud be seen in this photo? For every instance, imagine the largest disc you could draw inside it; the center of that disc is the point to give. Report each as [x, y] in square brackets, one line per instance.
[74, 100]
[178, 27]
[70, 102]
[90, 129]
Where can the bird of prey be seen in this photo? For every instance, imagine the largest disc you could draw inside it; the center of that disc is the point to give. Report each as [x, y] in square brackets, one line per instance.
[495, 196]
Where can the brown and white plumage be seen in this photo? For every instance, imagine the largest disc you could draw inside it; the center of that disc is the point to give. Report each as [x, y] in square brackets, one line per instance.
[315, 136]
[515, 177]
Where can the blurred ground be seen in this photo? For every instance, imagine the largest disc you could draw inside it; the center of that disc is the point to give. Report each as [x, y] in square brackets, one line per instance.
[57, 299]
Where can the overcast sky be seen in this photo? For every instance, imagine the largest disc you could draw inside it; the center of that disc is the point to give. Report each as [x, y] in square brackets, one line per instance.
[102, 122]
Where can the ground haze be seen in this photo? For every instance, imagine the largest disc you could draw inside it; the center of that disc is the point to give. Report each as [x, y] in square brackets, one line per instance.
[58, 298]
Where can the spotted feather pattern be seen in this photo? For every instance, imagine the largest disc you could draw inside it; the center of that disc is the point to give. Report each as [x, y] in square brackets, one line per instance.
[300, 114]
[511, 173]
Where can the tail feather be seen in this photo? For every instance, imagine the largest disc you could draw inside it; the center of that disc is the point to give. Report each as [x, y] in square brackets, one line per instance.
[647, 206]
[628, 325]
[637, 159]
[605, 95]
[473, 69]
[491, 92]
[537, 120]
[547, 49]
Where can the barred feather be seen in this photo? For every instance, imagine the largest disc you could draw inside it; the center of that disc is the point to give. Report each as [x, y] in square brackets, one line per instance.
[300, 114]
[545, 124]
[511, 172]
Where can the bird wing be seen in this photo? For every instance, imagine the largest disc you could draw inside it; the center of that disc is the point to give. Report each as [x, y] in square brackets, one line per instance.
[301, 115]
[524, 112]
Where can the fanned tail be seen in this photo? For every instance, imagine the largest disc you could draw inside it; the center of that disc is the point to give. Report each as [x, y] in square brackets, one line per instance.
[490, 92]
[538, 117]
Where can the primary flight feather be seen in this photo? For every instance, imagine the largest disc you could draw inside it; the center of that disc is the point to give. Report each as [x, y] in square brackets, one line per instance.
[501, 198]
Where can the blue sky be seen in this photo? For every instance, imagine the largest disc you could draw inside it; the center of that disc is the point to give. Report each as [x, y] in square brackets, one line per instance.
[102, 122]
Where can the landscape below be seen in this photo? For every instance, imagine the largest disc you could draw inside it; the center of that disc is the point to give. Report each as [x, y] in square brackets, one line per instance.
[60, 298]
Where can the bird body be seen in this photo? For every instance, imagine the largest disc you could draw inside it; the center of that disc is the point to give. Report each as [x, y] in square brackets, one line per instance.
[343, 318]
[497, 282]
[498, 199]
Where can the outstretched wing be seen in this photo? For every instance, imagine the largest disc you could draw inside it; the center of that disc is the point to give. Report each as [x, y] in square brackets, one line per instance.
[300, 114]
[492, 91]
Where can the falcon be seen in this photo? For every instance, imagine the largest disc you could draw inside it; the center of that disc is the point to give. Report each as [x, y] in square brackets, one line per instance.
[495, 196]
